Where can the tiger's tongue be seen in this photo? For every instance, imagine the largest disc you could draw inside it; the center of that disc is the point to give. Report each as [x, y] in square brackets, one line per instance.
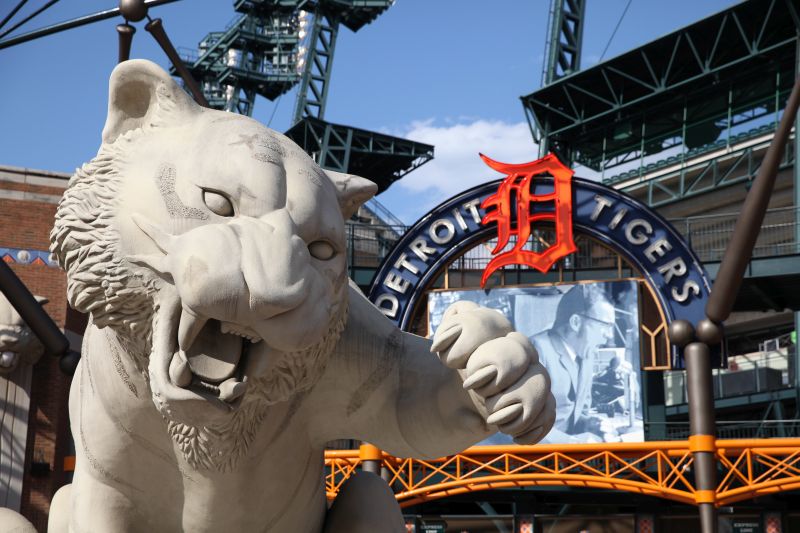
[213, 356]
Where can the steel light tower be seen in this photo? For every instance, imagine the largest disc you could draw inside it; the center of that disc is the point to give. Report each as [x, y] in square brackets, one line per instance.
[562, 57]
[565, 38]
[274, 45]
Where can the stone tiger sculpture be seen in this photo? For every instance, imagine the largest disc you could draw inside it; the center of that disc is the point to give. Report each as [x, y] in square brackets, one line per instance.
[18, 344]
[226, 346]
[20, 349]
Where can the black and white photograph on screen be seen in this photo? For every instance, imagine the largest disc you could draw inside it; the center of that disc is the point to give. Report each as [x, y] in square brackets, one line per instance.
[587, 336]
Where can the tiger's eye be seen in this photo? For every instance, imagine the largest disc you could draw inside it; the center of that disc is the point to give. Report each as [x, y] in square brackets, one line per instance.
[322, 250]
[218, 203]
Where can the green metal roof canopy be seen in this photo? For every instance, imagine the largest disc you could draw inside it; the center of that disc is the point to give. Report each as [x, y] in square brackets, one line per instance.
[375, 156]
[640, 102]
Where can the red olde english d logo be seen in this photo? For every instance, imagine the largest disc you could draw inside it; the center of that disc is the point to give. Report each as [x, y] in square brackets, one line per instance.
[517, 185]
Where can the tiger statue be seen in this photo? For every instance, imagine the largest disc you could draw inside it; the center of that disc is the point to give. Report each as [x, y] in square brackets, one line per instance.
[226, 346]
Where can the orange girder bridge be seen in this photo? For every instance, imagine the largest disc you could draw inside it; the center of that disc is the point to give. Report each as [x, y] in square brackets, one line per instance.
[747, 468]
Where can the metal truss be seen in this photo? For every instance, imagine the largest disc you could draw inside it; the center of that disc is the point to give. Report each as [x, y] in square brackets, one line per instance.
[563, 48]
[752, 468]
[748, 469]
[261, 52]
[316, 62]
[613, 107]
[379, 157]
[256, 55]
[313, 93]
[277, 44]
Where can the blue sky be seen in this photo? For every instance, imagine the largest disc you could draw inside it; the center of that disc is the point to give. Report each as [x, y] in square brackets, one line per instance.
[445, 72]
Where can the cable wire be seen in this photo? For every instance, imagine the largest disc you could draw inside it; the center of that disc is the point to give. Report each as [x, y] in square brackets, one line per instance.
[13, 12]
[274, 109]
[70, 24]
[613, 33]
[29, 17]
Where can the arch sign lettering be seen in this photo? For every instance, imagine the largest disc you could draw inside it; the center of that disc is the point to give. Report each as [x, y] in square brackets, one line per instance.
[531, 193]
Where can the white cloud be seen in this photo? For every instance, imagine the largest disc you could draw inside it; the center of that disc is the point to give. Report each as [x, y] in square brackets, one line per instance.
[456, 165]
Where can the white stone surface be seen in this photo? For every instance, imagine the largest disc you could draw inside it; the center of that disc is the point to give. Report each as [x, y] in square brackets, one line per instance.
[226, 346]
[13, 522]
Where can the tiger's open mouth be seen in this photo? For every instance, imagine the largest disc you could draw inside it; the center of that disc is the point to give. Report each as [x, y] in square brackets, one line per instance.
[214, 362]
[198, 360]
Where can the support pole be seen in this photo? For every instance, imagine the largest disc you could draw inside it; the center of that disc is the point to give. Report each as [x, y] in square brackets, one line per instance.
[702, 426]
[156, 29]
[125, 32]
[371, 458]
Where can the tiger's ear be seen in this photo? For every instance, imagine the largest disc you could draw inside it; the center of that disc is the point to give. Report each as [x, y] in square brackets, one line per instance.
[352, 191]
[136, 91]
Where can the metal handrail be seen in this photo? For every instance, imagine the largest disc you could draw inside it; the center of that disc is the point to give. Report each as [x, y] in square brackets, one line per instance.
[382, 211]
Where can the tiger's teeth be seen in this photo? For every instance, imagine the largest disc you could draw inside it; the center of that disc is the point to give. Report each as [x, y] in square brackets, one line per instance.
[239, 331]
[230, 389]
[189, 327]
[179, 372]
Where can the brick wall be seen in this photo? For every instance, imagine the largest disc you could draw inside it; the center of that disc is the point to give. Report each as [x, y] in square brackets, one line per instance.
[25, 224]
[27, 207]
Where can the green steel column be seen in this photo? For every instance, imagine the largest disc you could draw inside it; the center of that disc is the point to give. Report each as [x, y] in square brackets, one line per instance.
[313, 91]
[563, 57]
[544, 140]
[565, 39]
[551, 46]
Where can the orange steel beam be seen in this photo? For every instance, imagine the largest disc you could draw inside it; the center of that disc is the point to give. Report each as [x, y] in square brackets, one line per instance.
[749, 468]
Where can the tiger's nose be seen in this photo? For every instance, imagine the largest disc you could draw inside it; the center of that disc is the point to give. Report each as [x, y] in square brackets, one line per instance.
[274, 264]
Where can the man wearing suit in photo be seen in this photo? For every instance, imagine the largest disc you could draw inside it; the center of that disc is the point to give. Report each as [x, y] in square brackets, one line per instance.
[584, 321]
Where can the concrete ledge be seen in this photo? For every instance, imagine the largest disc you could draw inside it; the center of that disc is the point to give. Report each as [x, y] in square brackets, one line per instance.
[30, 176]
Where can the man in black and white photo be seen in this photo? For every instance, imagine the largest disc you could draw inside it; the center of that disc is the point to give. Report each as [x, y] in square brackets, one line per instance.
[584, 321]
[587, 336]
